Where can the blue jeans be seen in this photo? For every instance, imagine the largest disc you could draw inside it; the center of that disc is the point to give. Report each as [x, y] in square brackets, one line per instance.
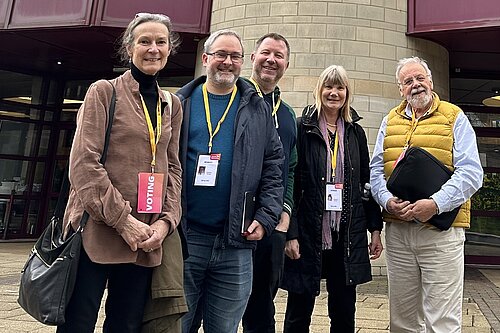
[219, 280]
[267, 272]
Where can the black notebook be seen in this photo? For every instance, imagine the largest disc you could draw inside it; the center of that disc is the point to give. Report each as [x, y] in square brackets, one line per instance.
[248, 212]
[418, 175]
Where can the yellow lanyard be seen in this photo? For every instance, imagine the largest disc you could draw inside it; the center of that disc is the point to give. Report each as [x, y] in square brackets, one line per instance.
[333, 154]
[152, 140]
[275, 105]
[211, 132]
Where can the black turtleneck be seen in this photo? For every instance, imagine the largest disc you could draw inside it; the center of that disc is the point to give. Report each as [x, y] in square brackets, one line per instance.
[148, 90]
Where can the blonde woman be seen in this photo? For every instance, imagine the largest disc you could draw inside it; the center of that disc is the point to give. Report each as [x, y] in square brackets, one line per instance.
[328, 238]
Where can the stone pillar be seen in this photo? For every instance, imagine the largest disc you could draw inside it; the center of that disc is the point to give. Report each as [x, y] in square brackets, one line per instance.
[367, 37]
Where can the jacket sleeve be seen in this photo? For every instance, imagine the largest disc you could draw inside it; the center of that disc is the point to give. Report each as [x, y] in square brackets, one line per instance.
[270, 198]
[293, 228]
[89, 178]
[288, 204]
[172, 206]
[373, 211]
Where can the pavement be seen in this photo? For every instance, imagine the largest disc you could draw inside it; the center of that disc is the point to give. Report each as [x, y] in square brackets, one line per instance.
[481, 310]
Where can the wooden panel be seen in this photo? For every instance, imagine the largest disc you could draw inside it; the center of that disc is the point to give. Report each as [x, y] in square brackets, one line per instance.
[432, 15]
[4, 12]
[187, 15]
[50, 13]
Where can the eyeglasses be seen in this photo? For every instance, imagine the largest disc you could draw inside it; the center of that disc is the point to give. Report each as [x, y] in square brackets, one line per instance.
[236, 58]
[409, 81]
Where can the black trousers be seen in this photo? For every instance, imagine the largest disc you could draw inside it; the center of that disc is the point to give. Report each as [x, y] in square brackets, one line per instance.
[341, 298]
[268, 263]
[128, 287]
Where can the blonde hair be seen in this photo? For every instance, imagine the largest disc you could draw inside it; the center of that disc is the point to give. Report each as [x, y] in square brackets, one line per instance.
[334, 75]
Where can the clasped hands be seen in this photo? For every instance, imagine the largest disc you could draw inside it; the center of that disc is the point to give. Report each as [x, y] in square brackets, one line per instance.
[139, 235]
[420, 211]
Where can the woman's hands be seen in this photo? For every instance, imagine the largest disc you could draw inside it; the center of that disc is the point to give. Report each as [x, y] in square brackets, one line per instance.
[160, 231]
[139, 235]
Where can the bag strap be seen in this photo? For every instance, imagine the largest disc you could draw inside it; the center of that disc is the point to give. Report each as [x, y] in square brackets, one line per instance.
[63, 196]
[111, 115]
[168, 96]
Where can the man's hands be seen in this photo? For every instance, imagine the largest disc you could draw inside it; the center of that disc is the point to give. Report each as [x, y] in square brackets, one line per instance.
[284, 222]
[375, 245]
[420, 211]
[255, 231]
[292, 249]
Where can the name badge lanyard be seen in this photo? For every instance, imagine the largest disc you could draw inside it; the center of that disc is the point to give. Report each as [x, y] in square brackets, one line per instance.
[333, 155]
[276, 105]
[211, 132]
[153, 142]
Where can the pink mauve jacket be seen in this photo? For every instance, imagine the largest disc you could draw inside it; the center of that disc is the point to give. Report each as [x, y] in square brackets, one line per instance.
[109, 193]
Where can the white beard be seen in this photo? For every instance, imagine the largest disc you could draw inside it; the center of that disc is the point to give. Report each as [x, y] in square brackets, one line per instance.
[419, 101]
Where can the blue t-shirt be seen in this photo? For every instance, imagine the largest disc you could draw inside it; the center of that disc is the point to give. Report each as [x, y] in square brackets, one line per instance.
[208, 207]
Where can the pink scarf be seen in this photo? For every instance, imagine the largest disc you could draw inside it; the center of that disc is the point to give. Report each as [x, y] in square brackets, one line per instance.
[331, 219]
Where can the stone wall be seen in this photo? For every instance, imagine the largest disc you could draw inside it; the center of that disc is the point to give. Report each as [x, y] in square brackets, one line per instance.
[367, 37]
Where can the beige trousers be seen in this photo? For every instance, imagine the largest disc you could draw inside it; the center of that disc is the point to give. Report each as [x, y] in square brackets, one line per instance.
[425, 270]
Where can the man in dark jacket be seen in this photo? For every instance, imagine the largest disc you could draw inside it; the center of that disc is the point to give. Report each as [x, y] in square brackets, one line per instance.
[229, 134]
[269, 63]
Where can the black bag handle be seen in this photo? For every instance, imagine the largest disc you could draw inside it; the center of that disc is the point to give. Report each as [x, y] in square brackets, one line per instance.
[63, 196]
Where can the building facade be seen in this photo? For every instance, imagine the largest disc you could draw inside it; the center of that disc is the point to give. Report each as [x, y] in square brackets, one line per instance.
[50, 55]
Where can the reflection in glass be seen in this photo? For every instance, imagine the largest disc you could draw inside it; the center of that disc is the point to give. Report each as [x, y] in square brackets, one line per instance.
[44, 141]
[33, 210]
[482, 119]
[38, 178]
[59, 169]
[16, 138]
[16, 217]
[13, 176]
[65, 141]
[489, 151]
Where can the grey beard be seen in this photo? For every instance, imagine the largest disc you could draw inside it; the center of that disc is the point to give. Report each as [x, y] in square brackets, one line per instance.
[419, 102]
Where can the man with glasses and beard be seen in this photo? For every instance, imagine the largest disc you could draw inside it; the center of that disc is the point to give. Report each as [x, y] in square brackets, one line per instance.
[228, 129]
[425, 265]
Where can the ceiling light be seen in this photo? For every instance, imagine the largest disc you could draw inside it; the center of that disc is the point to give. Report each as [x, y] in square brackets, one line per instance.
[493, 101]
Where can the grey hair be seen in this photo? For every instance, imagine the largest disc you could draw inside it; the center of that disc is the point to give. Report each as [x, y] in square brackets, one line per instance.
[127, 38]
[225, 32]
[415, 60]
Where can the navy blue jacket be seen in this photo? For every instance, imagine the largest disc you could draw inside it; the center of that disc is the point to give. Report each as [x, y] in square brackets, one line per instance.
[257, 161]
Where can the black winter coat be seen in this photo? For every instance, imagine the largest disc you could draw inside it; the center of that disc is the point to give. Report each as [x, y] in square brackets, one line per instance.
[303, 275]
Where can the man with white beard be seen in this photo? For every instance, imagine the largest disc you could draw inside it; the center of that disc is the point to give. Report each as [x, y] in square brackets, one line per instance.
[425, 265]
[228, 132]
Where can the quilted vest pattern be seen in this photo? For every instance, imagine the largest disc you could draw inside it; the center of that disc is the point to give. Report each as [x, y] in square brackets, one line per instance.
[432, 132]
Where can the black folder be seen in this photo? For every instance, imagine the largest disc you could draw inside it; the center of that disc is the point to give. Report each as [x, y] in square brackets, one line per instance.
[248, 213]
[417, 176]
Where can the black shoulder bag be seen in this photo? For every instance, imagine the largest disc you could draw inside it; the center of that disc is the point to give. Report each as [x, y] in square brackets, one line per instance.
[48, 277]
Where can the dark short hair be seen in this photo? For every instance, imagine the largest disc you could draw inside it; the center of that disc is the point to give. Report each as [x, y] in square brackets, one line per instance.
[275, 36]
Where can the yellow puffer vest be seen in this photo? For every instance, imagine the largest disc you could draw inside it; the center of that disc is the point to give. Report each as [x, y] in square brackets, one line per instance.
[434, 133]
